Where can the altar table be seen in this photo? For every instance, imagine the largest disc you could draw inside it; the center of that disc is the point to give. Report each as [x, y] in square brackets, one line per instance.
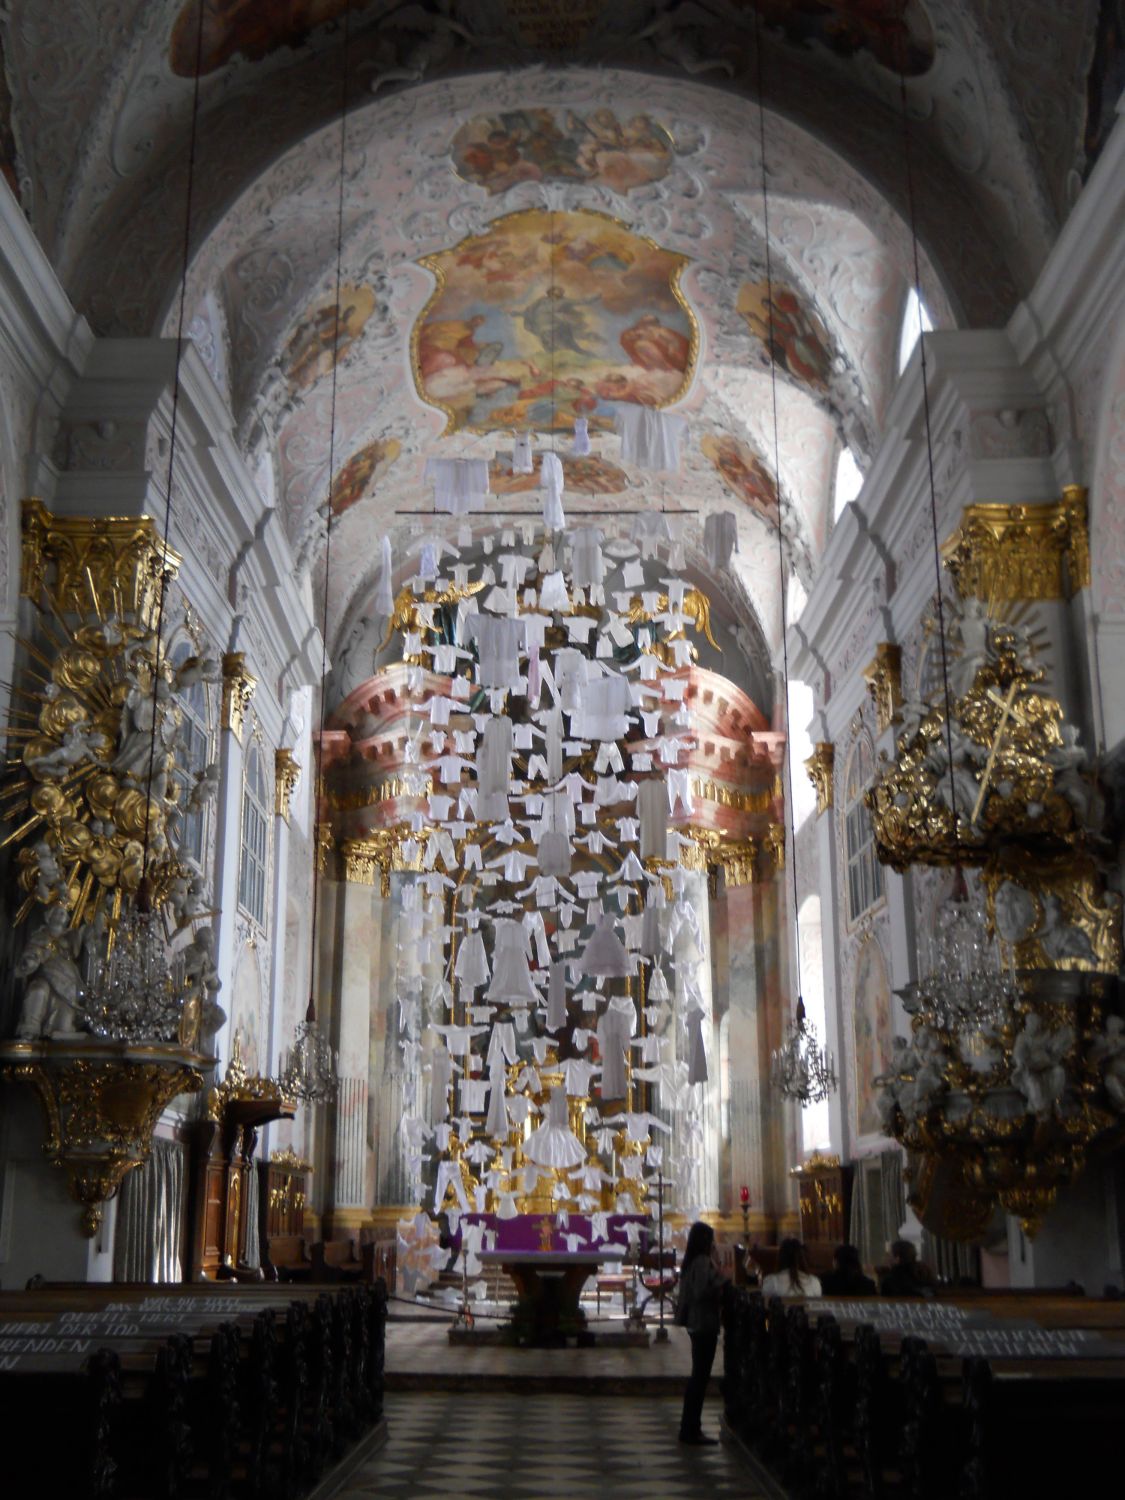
[548, 1286]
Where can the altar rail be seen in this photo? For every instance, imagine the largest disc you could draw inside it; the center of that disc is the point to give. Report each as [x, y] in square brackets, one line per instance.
[841, 1404]
[180, 1393]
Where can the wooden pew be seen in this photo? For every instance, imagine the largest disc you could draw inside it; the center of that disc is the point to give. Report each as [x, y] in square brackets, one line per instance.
[336, 1260]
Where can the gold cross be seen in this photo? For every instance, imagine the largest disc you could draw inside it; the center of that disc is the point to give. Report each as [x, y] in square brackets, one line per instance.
[1009, 710]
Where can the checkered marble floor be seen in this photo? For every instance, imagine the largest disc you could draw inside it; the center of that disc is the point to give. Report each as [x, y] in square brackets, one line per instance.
[538, 1446]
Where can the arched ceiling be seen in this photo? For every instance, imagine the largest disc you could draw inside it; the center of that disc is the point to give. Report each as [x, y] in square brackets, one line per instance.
[480, 133]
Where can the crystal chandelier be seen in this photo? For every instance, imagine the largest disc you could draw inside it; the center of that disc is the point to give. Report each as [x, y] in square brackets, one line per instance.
[309, 1070]
[134, 990]
[965, 987]
[800, 1068]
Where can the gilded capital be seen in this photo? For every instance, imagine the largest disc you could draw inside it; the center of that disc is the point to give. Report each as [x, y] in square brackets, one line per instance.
[238, 691]
[1005, 552]
[286, 774]
[370, 860]
[106, 565]
[820, 766]
[884, 683]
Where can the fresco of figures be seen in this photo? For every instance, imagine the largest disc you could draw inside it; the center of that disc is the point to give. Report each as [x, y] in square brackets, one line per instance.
[544, 145]
[313, 347]
[246, 28]
[800, 342]
[872, 1032]
[584, 475]
[362, 472]
[551, 316]
[742, 471]
[897, 35]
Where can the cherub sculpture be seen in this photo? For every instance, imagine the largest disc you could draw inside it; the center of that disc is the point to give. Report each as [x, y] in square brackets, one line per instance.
[53, 996]
[1038, 1071]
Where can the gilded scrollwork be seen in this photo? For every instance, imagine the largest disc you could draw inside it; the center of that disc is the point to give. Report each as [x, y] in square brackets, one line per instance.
[820, 766]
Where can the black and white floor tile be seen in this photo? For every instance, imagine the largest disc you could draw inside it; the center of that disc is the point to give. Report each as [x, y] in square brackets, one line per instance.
[538, 1447]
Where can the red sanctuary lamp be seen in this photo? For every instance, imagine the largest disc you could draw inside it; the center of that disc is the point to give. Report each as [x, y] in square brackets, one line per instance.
[744, 1204]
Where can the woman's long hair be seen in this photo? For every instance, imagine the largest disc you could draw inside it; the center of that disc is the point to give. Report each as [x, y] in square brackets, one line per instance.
[791, 1257]
[701, 1237]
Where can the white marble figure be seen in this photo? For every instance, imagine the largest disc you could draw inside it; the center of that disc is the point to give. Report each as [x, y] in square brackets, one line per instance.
[1110, 1050]
[1038, 1072]
[55, 764]
[201, 980]
[197, 669]
[141, 742]
[969, 629]
[52, 997]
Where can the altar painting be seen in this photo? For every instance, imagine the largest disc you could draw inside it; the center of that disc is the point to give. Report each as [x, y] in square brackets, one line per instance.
[742, 471]
[313, 347]
[588, 474]
[800, 343]
[246, 1011]
[544, 145]
[897, 35]
[872, 1032]
[248, 28]
[362, 473]
[552, 316]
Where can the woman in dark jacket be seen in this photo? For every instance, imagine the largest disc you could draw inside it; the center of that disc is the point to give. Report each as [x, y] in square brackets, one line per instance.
[697, 1310]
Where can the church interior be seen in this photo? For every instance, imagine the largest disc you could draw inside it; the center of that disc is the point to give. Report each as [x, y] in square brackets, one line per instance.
[562, 569]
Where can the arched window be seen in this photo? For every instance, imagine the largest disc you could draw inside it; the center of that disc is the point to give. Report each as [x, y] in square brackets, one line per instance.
[849, 482]
[255, 838]
[865, 873]
[192, 757]
[915, 318]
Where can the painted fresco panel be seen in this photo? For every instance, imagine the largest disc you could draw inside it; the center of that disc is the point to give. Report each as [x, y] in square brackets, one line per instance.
[872, 1033]
[362, 473]
[246, 28]
[313, 348]
[896, 34]
[544, 145]
[742, 471]
[550, 316]
[800, 343]
[585, 475]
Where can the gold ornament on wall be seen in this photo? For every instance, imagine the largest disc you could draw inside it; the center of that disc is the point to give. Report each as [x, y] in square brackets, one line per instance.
[1001, 553]
[821, 766]
[287, 773]
[238, 692]
[111, 564]
[884, 683]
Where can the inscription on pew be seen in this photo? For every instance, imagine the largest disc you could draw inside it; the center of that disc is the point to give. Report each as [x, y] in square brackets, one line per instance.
[957, 1330]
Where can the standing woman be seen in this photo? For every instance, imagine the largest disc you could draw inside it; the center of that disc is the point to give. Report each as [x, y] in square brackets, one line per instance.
[697, 1310]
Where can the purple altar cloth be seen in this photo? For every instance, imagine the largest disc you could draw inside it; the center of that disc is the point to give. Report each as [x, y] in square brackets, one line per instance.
[523, 1232]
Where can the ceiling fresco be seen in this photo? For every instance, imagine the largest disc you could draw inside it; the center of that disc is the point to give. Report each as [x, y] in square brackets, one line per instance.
[551, 316]
[742, 471]
[897, 35]
[246, 28]
[362, 473]
[622, 142]
[543, 145]
[799, 341]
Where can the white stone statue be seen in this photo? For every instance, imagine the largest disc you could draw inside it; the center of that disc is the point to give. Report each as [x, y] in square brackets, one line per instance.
[144, 707]
[53, 996]
[1110, 1050]
[1069, 760]
[1059, 939]
[1014, 912]
[1038, 1072]
[56, 763]
[197, 669]
[201, 981]
[969, 629]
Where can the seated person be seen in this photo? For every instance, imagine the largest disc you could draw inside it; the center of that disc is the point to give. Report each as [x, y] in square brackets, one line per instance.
[792, 1277]
[907, 1276]
[846, 1279]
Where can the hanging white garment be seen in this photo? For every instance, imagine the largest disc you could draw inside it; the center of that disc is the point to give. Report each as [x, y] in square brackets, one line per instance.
[581, 445]
[587, 564]
[502, 1043]
[577, 1072]
[471, 967]
[384, 598]
[556, 996]
[652, 805]
[697, 1054]
[605, 955]
[605, 708]
[650, 527]
[522, 461]
[552, 592]
[554, 1144]
[650, 439]
[615, 1030]
[499, 643]
[441, 1074]
[720, 538]
[511, 978]
[460, 484]
[494, 769]
[496, 1123]
[551, 480]
[555, 853]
